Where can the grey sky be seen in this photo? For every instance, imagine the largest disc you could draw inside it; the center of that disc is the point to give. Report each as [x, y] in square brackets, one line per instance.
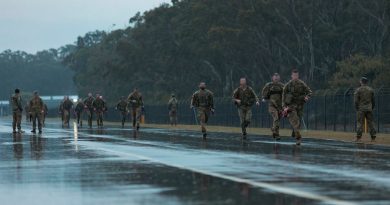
[33, 25]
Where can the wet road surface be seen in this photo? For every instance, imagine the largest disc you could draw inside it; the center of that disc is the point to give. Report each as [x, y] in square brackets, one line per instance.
[110, 166]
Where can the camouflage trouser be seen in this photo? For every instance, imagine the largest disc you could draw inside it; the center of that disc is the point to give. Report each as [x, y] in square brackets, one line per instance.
[99, 118]
[65, 117]
[203, 116]
[274, 112]
[136, 113]
[37, 116]
[79, 119]
[123, 117]
[294, 117]
[90, 116]
[361, 115]
[173, 117]
[16, 120]
[245, 114]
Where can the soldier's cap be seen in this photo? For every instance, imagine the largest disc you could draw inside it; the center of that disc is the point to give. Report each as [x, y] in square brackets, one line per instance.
[17, 90]
[276, 74]
[173, 94]
[364, 79]
[35, 92]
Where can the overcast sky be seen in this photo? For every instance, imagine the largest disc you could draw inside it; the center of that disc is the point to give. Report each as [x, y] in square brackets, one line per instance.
[34, 25]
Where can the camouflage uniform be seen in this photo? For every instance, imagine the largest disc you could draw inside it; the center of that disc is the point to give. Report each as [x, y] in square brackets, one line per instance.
[203, 101]
[99, 106]
[294, 93]
[17, 110]
[67, 106]
[79, 110]
[36, 110]
[122, 107]
[273, 93]
[247, 97]
[172, 107]
[136, 103]
[89, 107]
[365, 103]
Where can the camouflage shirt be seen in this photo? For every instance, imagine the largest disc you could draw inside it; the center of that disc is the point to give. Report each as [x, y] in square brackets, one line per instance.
[273, 92]
[247, 96]
[67, 105]
[203, 98]
[122, 105]
[294, 92]
[36, 104]
[364, 98]
[135, 100]
[79, 107]
[89, 102]
[173, 104]
[99, 104]
[16, 103]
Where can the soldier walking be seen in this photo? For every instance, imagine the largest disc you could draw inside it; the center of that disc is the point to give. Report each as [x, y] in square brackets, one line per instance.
[364, 104]
[36, 111]
[136, 103]
[67, 106]
[203, 101]
[99, 106]
[172, 107]
[88, 105]
[17, 110]
[121, 106]
[272, 92]
[79, 111]
[244, 97]
[295, 94]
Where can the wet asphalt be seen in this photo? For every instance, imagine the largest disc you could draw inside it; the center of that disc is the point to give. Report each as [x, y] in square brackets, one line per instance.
[161, 166]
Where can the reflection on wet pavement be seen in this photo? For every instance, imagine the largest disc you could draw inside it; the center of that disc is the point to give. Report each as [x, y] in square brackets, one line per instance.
[113, 166]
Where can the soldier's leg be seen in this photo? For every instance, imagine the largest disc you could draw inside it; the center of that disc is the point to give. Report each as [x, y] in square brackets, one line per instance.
[34, 121]
[294, 120]
[275, 120]
[241, 115]
[40, 118]
[247, 118]
[138, 116]
[14, 121]
[371, 124]
[19, 121]
[202, 120]
[360, 123]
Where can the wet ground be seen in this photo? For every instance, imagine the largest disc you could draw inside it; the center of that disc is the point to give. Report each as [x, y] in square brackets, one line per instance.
[110, 166]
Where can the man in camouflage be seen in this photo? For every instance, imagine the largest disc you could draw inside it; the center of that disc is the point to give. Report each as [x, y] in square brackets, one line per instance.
[295, 94]
[121, 106]
[79, 111]
[136, 105]
[244, 97]
[36, 111]
[88, 103]
[99, 106]
[172, 107]
[67, 106]
[203, 101]
[364, 99]
[272, 92]
[17, 110]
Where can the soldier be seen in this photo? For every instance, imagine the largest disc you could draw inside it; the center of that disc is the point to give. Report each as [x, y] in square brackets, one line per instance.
[79, 111]
[244, 97]
[36, 111]
[203, 101]
[172, 107]
[17, 110]
[295, 94]
[61, 110]
[67, 106]
[88, 105]
[121, 106]
[99, 106]
[272, 92]
[46, 111]
[364, 104]
[136, 102]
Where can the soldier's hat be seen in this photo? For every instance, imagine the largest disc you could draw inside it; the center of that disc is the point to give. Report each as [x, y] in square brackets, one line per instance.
[173, 94]
[364, 79]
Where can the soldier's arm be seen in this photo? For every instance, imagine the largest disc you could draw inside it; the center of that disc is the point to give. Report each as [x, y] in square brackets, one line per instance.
[285, 90]
[255, 96]
[373, 99]
[235, 94]
[193, 100]
[265, 92]
[211, 101]
[356, 99]
[309, 92]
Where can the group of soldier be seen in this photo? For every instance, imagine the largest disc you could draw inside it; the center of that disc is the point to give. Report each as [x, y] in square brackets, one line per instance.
[284, 100]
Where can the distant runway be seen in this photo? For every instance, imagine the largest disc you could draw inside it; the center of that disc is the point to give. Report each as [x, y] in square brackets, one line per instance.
[160, 166]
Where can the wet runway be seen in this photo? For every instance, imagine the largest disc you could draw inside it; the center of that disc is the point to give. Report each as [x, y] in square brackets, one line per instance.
[110, 166]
